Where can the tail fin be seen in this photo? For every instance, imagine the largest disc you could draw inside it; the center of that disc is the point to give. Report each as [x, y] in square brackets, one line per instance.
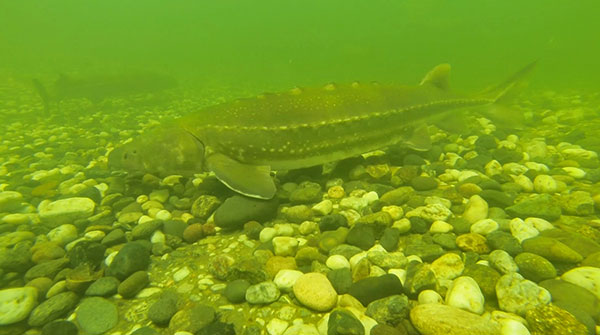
[502, 95]
[43, 93]
[511, 87]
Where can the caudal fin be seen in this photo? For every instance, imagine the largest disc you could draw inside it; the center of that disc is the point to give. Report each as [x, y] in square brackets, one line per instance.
[511, 87]
[43, 93]
[500, 112]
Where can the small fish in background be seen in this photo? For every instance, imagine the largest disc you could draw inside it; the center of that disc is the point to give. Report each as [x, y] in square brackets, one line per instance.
[242, 141]
[100, 87]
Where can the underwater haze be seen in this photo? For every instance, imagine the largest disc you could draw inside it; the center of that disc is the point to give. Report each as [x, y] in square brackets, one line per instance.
[314, 167]
[285, 43]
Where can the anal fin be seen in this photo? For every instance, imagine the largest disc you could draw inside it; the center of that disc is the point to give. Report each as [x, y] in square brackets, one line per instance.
[254, 181]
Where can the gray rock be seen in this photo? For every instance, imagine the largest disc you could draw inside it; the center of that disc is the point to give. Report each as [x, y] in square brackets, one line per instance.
[500, 240]
[46, 269]
[133, 284]
[56, 213]
[162, 311]
[398, 196]
[534, 267]
[344, 322]
[262, 293]
[131, 258]
[577, 203]
[427, 252]
[374, 288]
[53, 308]
[306, 192]
[391, 310]
[485, 276]
[518, 295]
[16, 304]
[423, 183]
[17, 259]
[237, 210]
[144, 230]
[235, 291]
[551, 249]
[105, 286]
[192, 319]
[115, 237]
[567, 294]
[97, 315]
[60, 327]
[541, 206]
[204, 206]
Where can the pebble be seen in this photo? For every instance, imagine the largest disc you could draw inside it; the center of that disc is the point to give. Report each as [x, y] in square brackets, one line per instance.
[337, 262]
[513, 327]
[285, 279]
[181, 274]
[53, 308]
[430, 297]
[541, 206]
[63, 211]
[431, 212]
[105, 286]
[434, 319]
[544, 184]
[448, 266]
[502, 261]
[440, 227]
[569, 296]
[323, 208]
[522, 230]
[476, 209]
[584, 276]
[10, 200]
[578, 203]
[551, 319]
[484, 227]
[315, 291]
[518, 295]
[285, 245]
[534, 267]
[472, 242]
[97, 315]
[16, 304]
[133, 284]
[551, 249]
[237, 210]
[235, 291]
[464, 293]
[343, 321]
[262, 293]
[60, 327]
[373, 288]
[276, 326]
[131, 258]
[62, 234]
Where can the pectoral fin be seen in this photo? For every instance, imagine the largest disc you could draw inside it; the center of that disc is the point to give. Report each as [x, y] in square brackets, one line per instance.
[420, 140]
[254, 181]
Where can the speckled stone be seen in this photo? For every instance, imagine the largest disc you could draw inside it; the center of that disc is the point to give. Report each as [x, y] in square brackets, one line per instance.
[315, 291]
[534, 267]
[549, 319]
[435, 319]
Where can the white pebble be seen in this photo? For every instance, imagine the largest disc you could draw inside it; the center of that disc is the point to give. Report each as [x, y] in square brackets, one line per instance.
[180, 274]
[493, 168]
[335, 262]
[371, 197]
[276, 326]
[512, 327]
[158, 237]
[525, 183]
[514, 168]
[521, 230]
[539, 223]
[323, 208]
[395, 212]
[163, 215]
[465, 293]
[267, 234]
[484, 226]
[285, 279]
[430, 297]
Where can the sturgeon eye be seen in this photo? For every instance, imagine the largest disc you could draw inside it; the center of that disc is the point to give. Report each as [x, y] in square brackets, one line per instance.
[125, 156]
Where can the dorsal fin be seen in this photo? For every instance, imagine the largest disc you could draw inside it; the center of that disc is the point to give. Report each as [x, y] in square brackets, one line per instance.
[438, 76]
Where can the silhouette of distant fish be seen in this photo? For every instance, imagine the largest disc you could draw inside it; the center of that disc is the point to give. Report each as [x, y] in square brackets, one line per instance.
[99, 87]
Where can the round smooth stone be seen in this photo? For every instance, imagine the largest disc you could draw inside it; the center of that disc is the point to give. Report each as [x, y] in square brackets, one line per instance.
[315, 291]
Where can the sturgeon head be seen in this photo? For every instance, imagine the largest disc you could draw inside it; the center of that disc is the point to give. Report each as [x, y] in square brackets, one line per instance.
[160, 151]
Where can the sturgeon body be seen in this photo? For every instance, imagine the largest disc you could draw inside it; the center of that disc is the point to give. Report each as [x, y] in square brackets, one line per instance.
[243, 140]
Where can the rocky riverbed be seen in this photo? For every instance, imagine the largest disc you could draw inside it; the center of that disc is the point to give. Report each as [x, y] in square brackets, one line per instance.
[494, 231]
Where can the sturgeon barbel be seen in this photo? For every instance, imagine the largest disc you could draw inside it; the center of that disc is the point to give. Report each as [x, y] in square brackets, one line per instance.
[242, 141]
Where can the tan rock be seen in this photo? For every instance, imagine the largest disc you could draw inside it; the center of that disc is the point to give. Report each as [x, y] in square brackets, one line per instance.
[435, 319]
[315, 291]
